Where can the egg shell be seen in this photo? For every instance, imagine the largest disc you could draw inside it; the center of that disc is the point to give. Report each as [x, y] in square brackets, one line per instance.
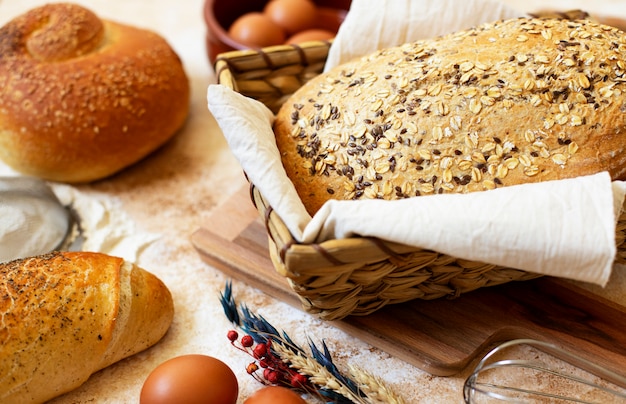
[292, 15]
[190, 379]
[274, 395]
[310, 35]
[256, 29]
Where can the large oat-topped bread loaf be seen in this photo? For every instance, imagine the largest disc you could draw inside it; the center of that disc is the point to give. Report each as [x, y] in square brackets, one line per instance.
[510, 102]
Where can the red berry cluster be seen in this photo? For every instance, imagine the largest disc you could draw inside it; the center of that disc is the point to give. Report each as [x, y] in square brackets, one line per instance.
[275, 370]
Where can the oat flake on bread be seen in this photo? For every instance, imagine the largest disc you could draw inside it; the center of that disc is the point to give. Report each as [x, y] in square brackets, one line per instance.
[511, 102]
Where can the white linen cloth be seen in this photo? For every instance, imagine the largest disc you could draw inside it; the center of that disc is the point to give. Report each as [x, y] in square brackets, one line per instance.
[560, 228]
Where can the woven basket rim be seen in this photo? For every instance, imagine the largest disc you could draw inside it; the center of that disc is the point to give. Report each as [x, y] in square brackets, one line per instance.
[272, 57]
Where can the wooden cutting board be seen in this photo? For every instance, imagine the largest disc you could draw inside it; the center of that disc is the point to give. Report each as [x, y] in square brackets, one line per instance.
[440, 336]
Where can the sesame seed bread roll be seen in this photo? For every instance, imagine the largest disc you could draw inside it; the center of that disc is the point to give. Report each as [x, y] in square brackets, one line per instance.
[510, 102]
[67, 315]
[81, 98]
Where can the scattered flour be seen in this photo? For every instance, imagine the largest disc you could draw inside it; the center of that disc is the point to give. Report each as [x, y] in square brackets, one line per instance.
[105, 227]
[29, 226]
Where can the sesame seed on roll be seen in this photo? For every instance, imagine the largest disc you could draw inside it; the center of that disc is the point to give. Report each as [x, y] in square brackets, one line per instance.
[82, 98]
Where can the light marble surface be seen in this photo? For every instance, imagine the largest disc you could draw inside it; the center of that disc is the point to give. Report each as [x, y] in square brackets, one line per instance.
[173, 191]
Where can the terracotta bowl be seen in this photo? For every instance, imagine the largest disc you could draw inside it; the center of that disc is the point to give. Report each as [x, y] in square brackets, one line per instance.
[220, 14]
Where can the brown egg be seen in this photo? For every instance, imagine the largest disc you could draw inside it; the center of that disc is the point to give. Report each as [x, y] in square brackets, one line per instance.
[292, 15]
[310, 35]
[274, 395]
[190, 379]
[256, 30]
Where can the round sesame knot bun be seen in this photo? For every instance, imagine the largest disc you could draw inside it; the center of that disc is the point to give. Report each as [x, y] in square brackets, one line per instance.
[510, 102]
[81, 98]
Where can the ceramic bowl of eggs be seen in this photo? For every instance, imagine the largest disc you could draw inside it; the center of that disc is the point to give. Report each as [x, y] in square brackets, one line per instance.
[255, 24]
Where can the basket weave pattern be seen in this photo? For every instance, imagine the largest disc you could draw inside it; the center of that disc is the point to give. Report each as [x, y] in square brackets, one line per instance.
[354, 276]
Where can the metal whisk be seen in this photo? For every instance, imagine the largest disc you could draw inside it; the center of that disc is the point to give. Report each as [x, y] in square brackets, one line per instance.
[480, 387]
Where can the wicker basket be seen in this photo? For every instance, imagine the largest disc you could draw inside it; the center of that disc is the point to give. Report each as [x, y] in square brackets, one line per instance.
[354, 276]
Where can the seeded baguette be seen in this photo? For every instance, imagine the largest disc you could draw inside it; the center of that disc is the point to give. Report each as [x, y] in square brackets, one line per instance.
[66, 315]
[511, 102]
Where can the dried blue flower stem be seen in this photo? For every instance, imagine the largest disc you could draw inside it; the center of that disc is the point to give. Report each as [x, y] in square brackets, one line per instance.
[263, 332]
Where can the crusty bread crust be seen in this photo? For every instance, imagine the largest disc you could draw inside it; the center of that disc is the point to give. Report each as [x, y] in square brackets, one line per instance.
[509, 102]
[65, 316]
[82, 98]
